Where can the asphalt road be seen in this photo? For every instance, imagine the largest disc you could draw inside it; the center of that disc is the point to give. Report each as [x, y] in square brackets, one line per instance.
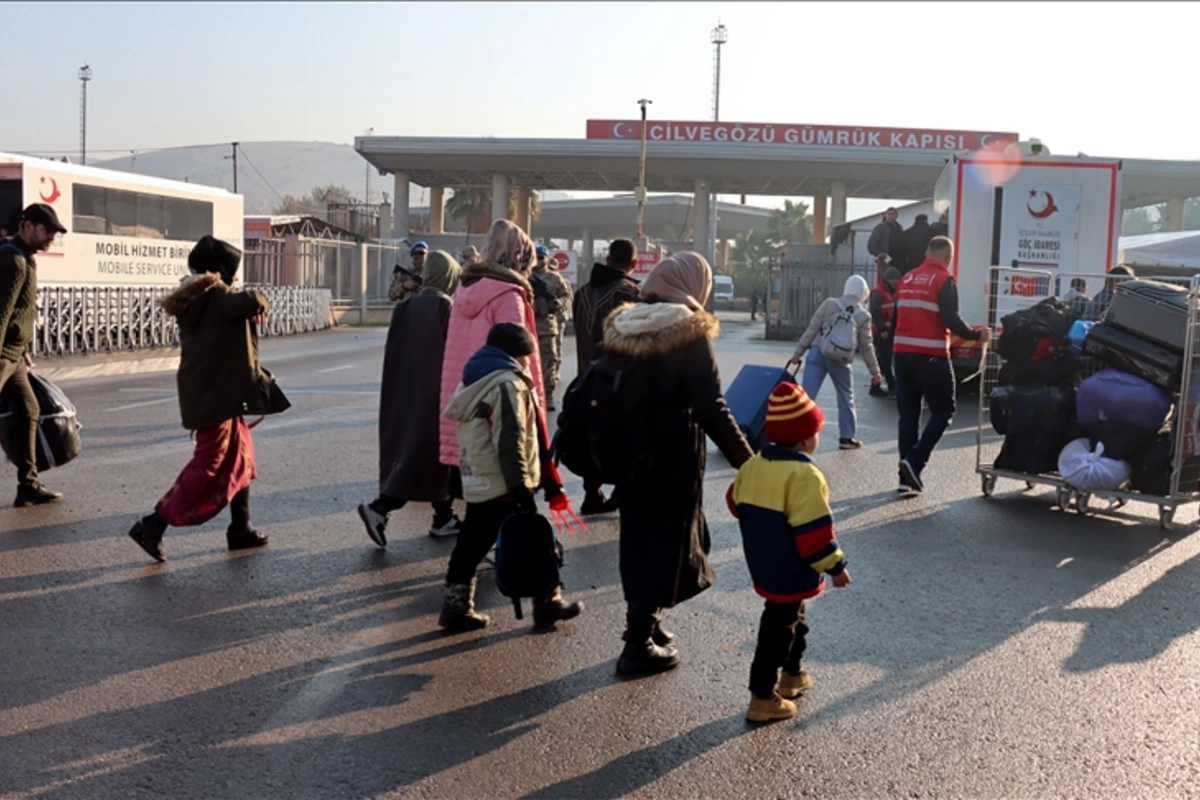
[987, 648]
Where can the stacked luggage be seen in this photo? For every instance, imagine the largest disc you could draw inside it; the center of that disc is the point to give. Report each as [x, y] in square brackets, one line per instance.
[1113, 430]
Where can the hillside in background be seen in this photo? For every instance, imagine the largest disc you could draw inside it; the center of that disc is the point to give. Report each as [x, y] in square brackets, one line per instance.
[268, 170]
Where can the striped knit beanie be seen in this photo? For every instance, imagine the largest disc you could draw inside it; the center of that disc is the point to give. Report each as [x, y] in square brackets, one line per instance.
[792, 416]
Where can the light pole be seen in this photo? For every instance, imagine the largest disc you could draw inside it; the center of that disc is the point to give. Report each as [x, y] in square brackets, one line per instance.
[85, 75]
[641, 198]
[367, 190]
[720, 35]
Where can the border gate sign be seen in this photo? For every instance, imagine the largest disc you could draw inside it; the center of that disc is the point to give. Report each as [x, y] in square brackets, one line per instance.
[567, 264]
[646, 261]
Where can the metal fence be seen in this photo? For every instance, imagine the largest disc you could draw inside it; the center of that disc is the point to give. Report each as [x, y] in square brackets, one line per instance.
[87, 319]
[355, 274]
[796, 289]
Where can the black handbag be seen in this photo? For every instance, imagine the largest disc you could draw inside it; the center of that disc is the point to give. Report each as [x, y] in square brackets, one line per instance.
[266, 396]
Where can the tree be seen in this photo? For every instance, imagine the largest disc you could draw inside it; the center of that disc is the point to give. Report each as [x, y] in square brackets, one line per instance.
[315, 202]
[1144, 219]
[474, 207]
[753, 253]
[792, 223]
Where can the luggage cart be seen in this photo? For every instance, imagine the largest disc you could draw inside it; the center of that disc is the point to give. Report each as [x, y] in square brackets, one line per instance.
[1010, 289]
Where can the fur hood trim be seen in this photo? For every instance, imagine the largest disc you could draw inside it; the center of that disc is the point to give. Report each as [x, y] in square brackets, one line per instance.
[477, 272]
[656, 329]
[191, 288]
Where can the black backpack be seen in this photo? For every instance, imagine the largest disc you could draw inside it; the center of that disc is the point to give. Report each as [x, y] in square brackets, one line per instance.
[604, 425]
[528, 555]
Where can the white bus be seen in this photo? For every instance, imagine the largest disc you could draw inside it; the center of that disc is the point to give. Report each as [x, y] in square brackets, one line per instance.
[123, 229]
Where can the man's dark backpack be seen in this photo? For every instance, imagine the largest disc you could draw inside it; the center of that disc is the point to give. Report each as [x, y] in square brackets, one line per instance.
[528, 555]
[604, 426]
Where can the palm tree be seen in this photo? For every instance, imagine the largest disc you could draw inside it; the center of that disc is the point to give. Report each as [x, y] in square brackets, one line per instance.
[753, 253]
[474, 206]
[791, 223]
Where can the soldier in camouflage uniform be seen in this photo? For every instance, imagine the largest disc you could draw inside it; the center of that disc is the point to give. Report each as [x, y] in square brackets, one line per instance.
[551, 299]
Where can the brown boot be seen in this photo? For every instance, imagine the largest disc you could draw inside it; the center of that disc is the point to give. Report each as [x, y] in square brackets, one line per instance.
[458, 609]
[552, 608]
[772, 708]
[792, 686]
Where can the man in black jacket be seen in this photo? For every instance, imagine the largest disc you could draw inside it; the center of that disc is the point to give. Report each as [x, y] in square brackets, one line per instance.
[887, 242]
[916, 242]
[35, 232]
[609, 287]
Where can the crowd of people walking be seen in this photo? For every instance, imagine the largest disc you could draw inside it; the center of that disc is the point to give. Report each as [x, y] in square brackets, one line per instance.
[470, 371]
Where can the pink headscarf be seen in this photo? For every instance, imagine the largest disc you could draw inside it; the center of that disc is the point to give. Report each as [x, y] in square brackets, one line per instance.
[507, 245]
[682, 278]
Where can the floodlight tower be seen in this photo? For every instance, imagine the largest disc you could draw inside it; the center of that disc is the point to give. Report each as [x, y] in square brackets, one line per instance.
[85, 75]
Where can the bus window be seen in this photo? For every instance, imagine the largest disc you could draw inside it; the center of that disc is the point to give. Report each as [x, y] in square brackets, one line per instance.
[88, 202]
[121, 210]
[150, 221]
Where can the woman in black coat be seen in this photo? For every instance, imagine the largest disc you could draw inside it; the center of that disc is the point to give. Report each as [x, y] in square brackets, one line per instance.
[664, 535]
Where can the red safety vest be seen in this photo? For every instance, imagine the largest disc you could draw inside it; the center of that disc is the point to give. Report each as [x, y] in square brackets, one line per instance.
[889, 305]
[919, 325]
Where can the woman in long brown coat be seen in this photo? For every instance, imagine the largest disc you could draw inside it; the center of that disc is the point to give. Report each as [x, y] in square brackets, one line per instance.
[410, 410]
[219, 381]
[664, 535]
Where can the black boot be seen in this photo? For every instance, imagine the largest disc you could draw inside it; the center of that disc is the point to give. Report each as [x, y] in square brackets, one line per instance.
[552, 609]
[642, 656]
[241, 535]
[148, 533]
[458, 609]
[595, 503]
[658, 634]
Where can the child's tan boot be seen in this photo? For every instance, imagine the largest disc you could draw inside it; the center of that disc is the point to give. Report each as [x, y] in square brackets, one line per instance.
[772, 708]
[792, 686]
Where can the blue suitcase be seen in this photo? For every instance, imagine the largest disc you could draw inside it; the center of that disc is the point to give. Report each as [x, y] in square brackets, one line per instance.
[747, 399]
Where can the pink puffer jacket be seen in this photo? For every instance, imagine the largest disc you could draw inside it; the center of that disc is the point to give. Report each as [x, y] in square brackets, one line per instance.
[488, 295]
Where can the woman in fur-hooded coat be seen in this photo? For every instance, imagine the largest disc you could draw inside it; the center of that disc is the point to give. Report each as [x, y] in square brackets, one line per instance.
[664, 535]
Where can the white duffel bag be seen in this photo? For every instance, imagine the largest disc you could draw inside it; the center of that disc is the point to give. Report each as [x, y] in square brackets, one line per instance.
[1088, 470]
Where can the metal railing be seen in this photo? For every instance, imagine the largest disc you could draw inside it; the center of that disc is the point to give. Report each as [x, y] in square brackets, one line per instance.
[356, 274]
[796, 289]
[90, 319]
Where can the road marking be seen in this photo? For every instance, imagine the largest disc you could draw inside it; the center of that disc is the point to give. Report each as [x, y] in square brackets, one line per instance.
[143, 403]
[337, 369]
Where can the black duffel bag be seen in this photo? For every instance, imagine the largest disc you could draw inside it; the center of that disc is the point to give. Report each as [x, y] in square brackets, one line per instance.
[1024, 332]
[58, 439]
[1024, 410]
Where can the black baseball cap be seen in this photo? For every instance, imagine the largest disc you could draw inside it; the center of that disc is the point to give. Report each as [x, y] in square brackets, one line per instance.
[42, 214]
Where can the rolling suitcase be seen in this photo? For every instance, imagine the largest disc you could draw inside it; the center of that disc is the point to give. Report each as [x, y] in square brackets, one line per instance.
[1156, 312]
[1120, 349]
[747, 399]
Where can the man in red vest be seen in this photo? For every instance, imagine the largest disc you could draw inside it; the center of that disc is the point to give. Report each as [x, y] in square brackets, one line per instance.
[926, 315]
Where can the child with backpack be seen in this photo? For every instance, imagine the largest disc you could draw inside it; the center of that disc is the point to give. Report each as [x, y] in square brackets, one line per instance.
[781, 501]
[496, 416]
[839, 327]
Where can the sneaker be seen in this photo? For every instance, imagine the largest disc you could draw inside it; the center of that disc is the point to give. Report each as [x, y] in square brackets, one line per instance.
[450, 526]
[792, 686]
[35, 495]
[877, 391]
[770, 709]
[849, 444]
[375, 523]
[909, 478]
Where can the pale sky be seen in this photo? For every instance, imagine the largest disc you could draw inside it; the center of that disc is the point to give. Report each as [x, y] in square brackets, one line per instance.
[1107, 79]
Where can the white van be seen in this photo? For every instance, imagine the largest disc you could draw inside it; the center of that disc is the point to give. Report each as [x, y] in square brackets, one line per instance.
[723, 290]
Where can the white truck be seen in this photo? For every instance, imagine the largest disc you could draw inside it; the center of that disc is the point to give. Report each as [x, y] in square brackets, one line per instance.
[1024, 208]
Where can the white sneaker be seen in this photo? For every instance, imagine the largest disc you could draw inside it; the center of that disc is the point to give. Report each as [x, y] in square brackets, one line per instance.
[450, 527]
[375, 523]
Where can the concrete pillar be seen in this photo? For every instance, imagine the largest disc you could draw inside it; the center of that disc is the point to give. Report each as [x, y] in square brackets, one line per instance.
[838, 195]
[722, 258]
[437, 209]
[385, 220]
[499, 197]
[364, 278]
[700, 214]
[587, 248]
[819, 214]
[570, 244]
[400, 194]
[1175, 213]
[523, 216]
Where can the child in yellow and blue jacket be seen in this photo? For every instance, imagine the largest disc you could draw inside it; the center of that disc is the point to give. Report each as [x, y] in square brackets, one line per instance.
[781, 501]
